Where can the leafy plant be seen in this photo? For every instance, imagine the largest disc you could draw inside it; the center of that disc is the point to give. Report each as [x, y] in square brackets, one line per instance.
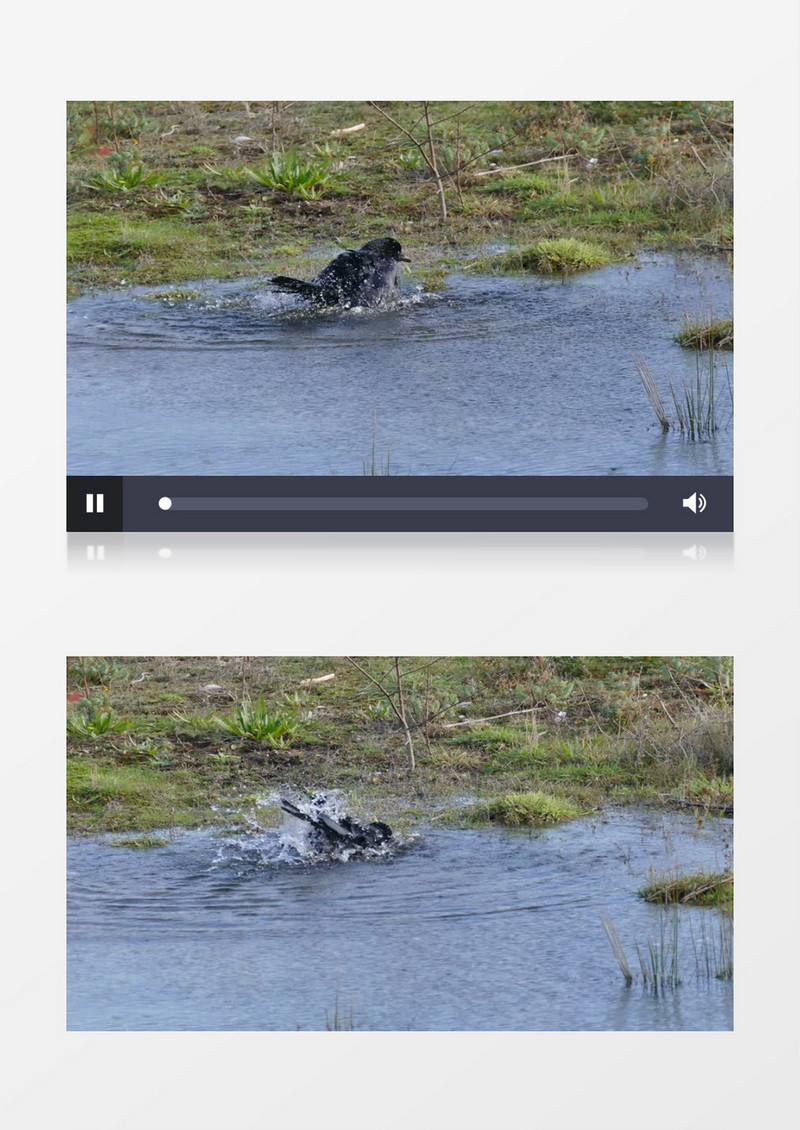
[290, 174]
[195, 721]
[95, 722]
[235, 174]
[95, 669]
[252, 720]
[126, 177]
[409, 159]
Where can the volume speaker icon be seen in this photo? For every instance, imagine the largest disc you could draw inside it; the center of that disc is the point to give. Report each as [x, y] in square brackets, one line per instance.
[696, 503]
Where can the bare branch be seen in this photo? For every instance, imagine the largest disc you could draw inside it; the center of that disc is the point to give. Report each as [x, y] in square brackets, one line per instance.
[408, 134]
[527, 165]
[491, 718]
[439, 185]
[399, 713]
[430, 161]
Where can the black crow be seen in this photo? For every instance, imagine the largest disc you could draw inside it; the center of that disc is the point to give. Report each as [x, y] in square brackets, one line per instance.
[355, 278]
[341, 832]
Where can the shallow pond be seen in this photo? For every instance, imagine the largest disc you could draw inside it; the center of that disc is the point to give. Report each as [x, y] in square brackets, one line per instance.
[493, 375]
[463, 930]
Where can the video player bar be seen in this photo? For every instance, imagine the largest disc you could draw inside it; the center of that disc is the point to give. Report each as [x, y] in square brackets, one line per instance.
[238, 504]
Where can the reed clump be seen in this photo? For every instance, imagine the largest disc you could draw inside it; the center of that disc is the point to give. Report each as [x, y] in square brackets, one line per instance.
[678, 952]
[697, 403]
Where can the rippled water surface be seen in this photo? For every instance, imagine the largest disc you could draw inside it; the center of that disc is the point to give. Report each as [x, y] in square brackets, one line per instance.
[462, 930]
[490, 376]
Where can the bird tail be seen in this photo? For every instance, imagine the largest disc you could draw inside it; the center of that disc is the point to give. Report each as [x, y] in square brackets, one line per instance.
[296, 286]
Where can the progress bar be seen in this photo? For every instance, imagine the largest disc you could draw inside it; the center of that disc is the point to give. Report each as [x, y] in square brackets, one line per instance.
[360, 503]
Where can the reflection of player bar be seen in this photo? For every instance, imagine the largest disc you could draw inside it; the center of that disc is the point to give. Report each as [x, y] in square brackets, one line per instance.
[356, 502]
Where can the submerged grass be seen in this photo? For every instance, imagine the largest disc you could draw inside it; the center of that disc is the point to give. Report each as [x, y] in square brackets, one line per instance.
[339, 1020]
[141, 843]
[173, 295]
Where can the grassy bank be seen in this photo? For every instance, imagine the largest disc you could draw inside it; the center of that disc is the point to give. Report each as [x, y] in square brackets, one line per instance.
[161, 741]
[164, 192]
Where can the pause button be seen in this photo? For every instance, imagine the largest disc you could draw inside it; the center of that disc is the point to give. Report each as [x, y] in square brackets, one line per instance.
[94, 504]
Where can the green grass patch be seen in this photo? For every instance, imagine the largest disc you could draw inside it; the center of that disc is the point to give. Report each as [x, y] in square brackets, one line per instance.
[522, 810]
[121, 247]
[102, 797]
[523, 184]
[706, 333]
[549, 257]
[119, 238]
[700, 888]
[488, 736]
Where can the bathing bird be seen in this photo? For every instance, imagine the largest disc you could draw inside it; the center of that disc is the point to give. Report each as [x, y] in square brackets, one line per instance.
[343, 831]
[365, 277]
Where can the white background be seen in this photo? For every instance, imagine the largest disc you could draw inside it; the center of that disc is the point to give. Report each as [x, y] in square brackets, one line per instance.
[387, 594]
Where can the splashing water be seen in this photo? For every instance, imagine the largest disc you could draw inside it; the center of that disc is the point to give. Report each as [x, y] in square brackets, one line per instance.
[297, 841]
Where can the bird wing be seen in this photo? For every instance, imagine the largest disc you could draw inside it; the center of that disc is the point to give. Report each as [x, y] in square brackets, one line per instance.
[333, 826]
[293, 810]
[347, 275]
